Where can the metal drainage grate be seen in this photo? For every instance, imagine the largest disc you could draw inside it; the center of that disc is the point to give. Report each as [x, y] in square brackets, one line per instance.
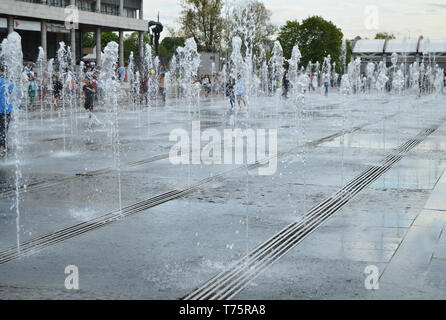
[231, 281]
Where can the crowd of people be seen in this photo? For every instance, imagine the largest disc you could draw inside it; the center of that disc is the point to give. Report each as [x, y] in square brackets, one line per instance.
[58, 87]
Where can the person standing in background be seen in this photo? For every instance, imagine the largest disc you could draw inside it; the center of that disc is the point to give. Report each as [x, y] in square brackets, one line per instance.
[32, 89]
[121, 72]
[6, 108]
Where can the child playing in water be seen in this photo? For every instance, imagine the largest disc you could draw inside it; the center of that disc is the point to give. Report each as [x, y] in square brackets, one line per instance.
[230, 92]
[240, 92]
[32, 88]
[89, 92]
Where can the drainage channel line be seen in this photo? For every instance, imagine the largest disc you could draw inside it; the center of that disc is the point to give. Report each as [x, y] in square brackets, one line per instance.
[325, 203]
[99, 222]
[229, 283]
[396, 159]
[310, 225]
[46, 184]
[35, 244]
[279, 250]
[328, 202]
[259, 251]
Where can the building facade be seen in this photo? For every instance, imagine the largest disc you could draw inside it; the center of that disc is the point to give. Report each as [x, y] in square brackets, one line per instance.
[47, 22]
[209, 63]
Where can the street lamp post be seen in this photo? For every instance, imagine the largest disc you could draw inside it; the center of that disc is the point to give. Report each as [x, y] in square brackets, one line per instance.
[156, 28]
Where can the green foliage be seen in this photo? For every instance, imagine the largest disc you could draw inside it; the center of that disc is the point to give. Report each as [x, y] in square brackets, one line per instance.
[201, 19]
[315, 37]
[131, 43]
[349, 50]
[88, 39]
[289, 37]
[384, 35]
[169, 44]
[107, 37]
[258, 20]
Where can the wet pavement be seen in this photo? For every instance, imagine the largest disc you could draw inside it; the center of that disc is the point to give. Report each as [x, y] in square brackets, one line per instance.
[396, 224]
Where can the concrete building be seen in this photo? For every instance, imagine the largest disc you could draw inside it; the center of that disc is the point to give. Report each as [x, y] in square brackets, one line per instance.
[206, 61]
[409, 50]
[47, 22]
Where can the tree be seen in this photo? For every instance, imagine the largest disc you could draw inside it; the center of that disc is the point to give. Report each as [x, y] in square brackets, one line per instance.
[201, 19]
[316, 38]
[169, 45]
[288, 37]
[251, 22]
[131, 43]
[384, 35]
[89, 39]
[107, 37]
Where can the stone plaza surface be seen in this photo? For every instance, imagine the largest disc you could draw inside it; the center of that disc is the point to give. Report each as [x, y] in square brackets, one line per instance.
[396, 224]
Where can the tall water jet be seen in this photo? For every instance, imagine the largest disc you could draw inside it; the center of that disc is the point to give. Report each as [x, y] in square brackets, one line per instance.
[41, 59]
[276, 64]
[63, 64]
[147, 82]
[238, 71]
[354, 72]
[302, 86]
[438, 80]
[277, 70]
[293, 70]
[242, 24]
[50, 72]
[189, 61]
[154, 78]
[111, 88]
[172, 80]
[370, 73]
[382, 77]
[148, 69]
[12, 57]
[343, 57]
[414, 75]
[131, 78]
[398, 82]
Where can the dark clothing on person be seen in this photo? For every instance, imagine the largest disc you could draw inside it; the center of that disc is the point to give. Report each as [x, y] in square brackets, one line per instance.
[286, 86]
[5, 118]
[230, 92]
[163, 93]
[57, 85]
[89, 96]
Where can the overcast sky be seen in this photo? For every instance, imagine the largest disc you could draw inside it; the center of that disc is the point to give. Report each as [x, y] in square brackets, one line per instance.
[355, 17]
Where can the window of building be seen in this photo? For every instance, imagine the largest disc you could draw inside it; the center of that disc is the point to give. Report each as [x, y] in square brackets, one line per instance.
[110, 9]
[58, 3]
[130, 13]
[86, 5]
